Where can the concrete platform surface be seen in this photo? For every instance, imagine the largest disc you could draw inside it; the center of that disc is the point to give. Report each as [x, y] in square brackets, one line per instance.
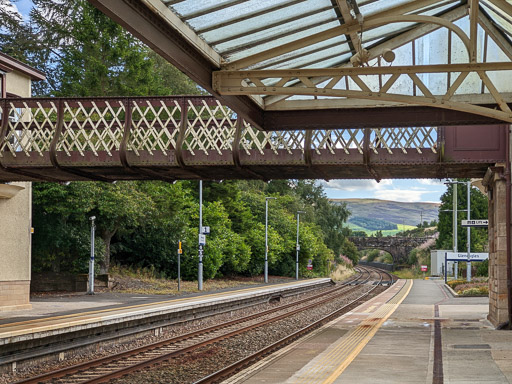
[392, 339]
[71, 313]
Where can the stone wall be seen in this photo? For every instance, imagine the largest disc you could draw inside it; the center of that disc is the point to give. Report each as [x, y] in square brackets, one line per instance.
[498, 305]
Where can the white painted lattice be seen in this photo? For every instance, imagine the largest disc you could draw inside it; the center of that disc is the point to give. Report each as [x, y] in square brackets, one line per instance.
[338, 139]
[211, 128]
[155, 126]
[30, 129]
[92, 126]
[253, 139]
[404, 139]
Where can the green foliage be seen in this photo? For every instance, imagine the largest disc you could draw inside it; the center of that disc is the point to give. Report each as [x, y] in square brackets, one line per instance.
[372, 224]
[479, 204]
[482, 268]
[372, 255]
[140, 223]
[85, 53]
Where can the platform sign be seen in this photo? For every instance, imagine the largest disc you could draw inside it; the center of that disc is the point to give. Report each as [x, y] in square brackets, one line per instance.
[310, 267]
[475, 223]
[463, 256]
[202, 240]
[205, 230]
[424, 268]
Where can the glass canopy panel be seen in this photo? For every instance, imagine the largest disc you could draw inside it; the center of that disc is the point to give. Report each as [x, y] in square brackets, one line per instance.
[312, 52]
[242, 47]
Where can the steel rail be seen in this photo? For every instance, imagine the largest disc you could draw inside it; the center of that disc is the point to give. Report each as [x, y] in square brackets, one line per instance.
[361, 279]
[223, 373]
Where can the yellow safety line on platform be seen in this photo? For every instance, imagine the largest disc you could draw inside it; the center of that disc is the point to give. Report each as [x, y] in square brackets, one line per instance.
[173, 301]
[349, 346]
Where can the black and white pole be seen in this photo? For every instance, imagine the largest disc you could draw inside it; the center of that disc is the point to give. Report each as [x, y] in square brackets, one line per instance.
[90, 291]
[180, 251]
[201, 239]
[266, 237]
[455, 245]
[298, 248]
[468, 229]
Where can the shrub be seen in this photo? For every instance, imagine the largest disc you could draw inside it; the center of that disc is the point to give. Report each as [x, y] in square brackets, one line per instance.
[477, 291]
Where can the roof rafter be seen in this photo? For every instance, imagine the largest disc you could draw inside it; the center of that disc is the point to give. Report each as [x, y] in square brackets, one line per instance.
[500, 40]
[392, 43]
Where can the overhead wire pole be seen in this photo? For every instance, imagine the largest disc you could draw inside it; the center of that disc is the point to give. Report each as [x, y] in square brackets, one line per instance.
[298, 248]
[468, 229]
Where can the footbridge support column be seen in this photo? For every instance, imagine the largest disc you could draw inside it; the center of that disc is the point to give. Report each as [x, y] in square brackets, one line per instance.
[495, 182]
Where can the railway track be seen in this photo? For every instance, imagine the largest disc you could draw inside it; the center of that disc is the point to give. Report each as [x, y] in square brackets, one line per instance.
[108, 368]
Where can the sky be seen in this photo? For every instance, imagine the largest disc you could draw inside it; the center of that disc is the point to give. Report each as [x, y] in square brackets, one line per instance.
[406, 190]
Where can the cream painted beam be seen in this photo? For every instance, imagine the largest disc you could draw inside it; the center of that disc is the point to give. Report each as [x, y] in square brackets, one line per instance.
[496, 35]
[393, 43]
[187, 33]
[291, 105]
[473, 29]
[504, 5]
[348, 18]
[233, 83]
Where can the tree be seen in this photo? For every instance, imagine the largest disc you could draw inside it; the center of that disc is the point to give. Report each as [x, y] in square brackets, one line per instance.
[479, 205]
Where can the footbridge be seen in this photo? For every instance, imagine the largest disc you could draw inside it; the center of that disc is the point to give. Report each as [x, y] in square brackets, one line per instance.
[186, 137]
[398, 247]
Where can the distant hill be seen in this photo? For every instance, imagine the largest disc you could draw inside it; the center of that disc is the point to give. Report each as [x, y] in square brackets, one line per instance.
[372, 214]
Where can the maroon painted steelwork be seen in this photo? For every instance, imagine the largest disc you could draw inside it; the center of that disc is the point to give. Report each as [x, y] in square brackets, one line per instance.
[63, 139]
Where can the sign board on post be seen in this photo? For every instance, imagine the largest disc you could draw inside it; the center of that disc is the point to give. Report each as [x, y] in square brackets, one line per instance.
[202, 240]
[475, 223]
[205, 230]
[424, 268]
[310, 264]
[463, 256]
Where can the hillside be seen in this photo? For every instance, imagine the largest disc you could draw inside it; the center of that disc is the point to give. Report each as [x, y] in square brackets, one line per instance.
[372, 214]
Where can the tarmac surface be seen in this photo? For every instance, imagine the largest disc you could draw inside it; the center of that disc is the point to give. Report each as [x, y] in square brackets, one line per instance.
[393, 339]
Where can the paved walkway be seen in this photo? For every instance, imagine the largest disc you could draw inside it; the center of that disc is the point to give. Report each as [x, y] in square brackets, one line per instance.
[404, 347]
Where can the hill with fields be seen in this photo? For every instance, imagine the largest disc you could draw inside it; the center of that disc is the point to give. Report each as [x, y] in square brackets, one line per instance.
[371, 215]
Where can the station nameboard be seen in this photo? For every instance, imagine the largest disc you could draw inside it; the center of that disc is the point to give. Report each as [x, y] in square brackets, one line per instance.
[475, 223]
[463, 256]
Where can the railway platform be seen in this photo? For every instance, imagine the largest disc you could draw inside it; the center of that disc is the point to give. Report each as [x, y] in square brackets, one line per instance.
[415, 332]
[71, 322]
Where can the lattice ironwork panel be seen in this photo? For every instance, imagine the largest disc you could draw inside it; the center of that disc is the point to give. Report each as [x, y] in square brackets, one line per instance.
[31, 127]
[335, 139]
[155, 125]
[253, 139]
[404, 139]
[211, 128]
[92, 125]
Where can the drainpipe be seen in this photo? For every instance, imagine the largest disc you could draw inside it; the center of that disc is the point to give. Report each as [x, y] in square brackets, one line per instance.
[508, 207]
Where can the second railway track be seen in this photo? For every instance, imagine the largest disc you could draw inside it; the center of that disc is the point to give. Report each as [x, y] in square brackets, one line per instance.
[111, 367]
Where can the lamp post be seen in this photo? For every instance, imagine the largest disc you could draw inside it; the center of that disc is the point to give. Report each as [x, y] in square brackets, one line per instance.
[298, 248]
[468, 229]
[201, 239]
[266, 236]
[90, 291]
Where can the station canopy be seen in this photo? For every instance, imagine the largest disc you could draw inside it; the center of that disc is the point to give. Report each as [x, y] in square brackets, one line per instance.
[316, 61]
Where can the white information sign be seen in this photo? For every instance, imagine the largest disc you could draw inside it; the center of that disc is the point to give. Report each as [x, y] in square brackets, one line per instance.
[463, 256]
[202, 240]
[475, 223]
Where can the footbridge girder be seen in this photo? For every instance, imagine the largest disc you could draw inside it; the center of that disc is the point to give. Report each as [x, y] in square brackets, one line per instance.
[190, 137]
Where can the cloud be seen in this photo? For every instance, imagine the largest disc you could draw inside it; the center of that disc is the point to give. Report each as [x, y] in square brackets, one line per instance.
[356, 185]
[405, 195]
[435, 182]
